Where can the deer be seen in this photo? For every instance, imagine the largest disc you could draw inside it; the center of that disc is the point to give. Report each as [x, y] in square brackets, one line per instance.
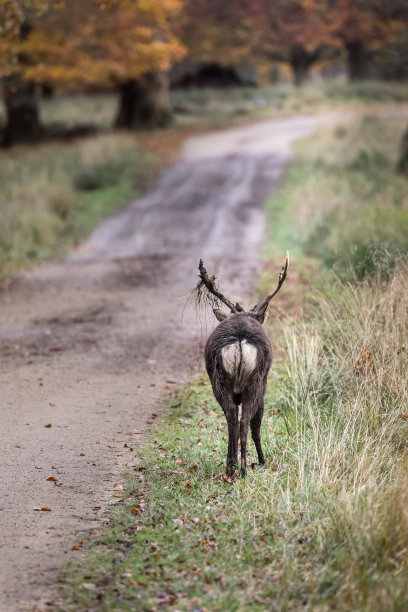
[238, 356]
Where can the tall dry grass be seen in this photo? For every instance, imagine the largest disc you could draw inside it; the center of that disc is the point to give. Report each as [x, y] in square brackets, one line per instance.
[342, 445]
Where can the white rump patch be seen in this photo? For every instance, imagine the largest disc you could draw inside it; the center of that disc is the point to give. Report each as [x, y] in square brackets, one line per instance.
[249, 356]
[239, 361]
[231, 357]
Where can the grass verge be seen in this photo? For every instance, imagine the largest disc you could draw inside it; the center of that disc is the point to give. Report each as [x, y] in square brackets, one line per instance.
[55, 194]
[324, 525]
[343, 202]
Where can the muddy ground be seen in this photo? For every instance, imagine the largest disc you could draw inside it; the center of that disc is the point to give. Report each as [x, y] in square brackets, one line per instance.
[91, 346]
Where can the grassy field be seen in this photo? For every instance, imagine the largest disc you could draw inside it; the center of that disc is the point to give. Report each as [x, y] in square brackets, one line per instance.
[324, 525]
[207, 105]
[212, 106]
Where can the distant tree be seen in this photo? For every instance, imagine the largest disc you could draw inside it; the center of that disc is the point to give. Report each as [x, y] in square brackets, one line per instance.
[22, 117]
[366, 24]
[126, 44]
[293, 31]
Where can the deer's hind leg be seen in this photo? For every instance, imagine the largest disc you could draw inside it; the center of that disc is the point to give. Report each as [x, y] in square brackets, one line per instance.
[256, 422]
[231, 414]
[230, 410]
[249, 412]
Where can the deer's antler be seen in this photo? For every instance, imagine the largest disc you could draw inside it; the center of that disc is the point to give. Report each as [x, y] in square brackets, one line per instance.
[260, 309]
[210, 284]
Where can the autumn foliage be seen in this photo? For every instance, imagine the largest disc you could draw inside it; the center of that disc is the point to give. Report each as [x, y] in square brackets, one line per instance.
[130, 45]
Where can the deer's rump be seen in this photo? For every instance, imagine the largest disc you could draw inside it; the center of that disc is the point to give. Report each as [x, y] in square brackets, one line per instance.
[238, 356]
[239, 361]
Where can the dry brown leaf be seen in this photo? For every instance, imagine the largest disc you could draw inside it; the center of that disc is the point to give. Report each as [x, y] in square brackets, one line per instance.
[365, 364]
[48, 425]
[52, 478]
[46, 509]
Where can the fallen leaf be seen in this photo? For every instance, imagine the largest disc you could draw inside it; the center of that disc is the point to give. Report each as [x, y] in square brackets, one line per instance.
[135, 511]
[365, 364]
[136, 431]
[166, 597]
[52, 478]
[96, 508]
[53, 405]
[46, 509]
[137, 583]
[82, 454]
[48, 425]
[405, 416]
[274, 576]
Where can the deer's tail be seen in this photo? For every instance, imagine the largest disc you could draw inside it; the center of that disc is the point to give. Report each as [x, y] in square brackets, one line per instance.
[239, 360]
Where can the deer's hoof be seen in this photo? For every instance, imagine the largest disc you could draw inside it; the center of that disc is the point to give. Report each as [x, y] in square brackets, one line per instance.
[231, 467]
[243, 472]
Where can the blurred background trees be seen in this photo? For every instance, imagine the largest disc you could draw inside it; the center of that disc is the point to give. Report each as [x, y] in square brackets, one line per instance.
[133, 47]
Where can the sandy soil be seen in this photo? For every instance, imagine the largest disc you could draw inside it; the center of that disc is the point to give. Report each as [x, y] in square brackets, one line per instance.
[91, 346]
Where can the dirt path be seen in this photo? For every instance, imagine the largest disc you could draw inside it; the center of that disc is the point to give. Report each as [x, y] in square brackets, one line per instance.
[91, 346]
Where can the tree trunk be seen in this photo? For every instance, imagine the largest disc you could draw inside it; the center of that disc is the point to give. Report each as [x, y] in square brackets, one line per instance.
[300, 61]
[357, 61]
[402, 165]
[22, 124]
[47, 91]
[144, 103]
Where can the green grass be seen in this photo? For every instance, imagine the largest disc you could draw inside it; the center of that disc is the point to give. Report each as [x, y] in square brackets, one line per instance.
[346, 204]
[53, 195]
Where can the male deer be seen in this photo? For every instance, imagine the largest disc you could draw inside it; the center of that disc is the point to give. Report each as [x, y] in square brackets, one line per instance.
[238, 356]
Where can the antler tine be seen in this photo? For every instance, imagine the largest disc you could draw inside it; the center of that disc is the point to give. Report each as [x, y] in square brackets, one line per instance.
[210, 284]
[261, 307]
